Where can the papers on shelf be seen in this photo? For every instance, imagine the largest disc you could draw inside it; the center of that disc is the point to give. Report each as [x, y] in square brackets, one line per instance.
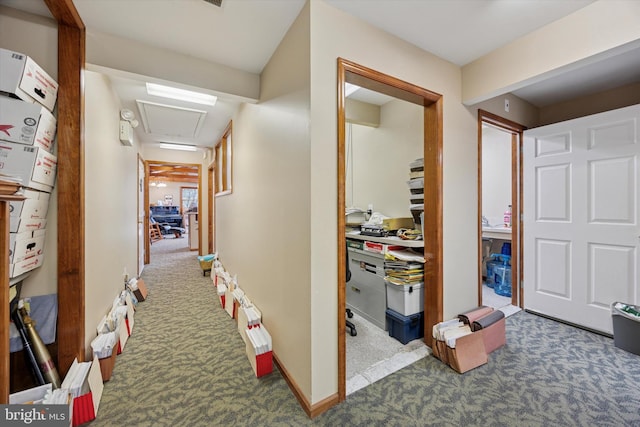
[403, 255]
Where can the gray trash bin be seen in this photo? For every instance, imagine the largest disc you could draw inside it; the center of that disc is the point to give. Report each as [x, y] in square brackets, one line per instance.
[626, 327]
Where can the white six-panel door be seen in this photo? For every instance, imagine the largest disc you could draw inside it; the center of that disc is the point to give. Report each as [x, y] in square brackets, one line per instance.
[581, 220]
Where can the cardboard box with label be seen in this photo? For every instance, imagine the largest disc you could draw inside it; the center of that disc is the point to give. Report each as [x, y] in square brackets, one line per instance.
[26, 123]
[34, 166]
[25, 245]
[35, 205]
[21, 225]
[21, 77]
[21, 267]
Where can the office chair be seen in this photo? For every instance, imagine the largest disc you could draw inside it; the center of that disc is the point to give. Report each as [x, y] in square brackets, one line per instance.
[349, 324]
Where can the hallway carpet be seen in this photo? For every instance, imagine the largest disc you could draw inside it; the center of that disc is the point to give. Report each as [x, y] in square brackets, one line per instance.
[185, 365]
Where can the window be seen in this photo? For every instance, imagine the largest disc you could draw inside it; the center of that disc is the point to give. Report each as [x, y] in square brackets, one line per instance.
[223, 162]
[189, 199]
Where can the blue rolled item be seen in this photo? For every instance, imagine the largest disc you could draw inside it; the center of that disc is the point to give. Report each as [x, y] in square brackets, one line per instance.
[209, 257]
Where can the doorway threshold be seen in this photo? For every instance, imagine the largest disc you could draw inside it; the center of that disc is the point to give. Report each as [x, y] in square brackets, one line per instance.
[373, 354]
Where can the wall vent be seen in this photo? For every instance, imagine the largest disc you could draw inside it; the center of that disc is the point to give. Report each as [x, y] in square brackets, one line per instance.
[215, 2]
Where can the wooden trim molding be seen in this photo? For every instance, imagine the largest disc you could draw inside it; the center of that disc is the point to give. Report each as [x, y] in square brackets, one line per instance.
[211, 205]
[516, 130]
[349, 72]
[312, 411]
[70, 184]
[4, 302]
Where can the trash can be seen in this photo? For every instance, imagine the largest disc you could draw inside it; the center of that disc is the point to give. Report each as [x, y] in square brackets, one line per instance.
[626, 327]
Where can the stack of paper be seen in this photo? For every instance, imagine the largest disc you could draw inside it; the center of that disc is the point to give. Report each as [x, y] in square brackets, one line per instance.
[253, 316]
[75, 381]
[221, 288]
[238, 295]
[404, 255]
[260, 339]
[104, 344]
[58, 396]
[450, 331]
[403, 267]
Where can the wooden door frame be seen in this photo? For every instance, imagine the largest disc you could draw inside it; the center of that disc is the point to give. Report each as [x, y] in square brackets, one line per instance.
[433, 130]
[516, 130]
[211, 205]
[147, 204]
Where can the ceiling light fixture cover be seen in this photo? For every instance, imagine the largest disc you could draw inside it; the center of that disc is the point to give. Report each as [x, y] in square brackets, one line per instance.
[180, 94]
[180, 147]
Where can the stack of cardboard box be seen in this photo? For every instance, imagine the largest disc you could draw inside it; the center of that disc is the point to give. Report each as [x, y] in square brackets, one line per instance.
[27, 133]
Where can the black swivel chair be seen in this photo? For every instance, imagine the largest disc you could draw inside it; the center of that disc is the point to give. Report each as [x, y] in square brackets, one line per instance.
[349, 324]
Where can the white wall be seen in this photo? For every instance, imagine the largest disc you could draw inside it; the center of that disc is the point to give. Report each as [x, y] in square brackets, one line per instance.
[262, 227]
[381, 157]
[335, 34]
[594, 32]
[172, 189]
[496, 174]
[111, 199]
[37, 37]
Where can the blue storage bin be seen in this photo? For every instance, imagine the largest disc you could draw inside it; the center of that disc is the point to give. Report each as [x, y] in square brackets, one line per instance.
[405, 328]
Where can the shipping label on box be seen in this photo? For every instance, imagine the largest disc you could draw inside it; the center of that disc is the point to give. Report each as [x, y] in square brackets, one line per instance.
[25, 123]
[22, 267]
[21, 225]
[23, 78]
[35, 166]
[34, 206]
[25, 245]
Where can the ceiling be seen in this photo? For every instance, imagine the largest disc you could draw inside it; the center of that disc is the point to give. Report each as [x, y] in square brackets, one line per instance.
[459, 31]
[163, 172]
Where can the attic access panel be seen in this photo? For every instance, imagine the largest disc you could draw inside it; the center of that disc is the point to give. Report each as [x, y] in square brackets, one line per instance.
[168, 120]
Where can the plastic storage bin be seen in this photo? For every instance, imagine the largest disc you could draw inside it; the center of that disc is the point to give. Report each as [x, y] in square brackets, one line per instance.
[405, 299]
[626, 327]
[502, 277]
[405, 328]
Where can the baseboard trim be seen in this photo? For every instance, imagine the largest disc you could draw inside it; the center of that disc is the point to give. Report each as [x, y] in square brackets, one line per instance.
[312, 411]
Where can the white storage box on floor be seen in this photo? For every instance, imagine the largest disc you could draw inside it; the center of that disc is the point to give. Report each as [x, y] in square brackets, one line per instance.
[26, 123]
[23, 78]
[405, 299]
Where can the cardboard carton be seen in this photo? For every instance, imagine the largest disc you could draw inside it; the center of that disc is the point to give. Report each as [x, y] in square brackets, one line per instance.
[25, 123]
[468, 354]
[35, 205]
[25, 245]
[34, 166]
[21, 77]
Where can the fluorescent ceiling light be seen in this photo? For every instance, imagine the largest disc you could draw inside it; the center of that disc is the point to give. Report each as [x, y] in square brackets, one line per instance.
[180, 94]
[181, 147]
[349, 89]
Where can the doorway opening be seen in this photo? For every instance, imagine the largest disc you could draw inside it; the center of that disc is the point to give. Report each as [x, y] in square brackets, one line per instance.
[430, 104]
[164, 184]
[500, 212]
